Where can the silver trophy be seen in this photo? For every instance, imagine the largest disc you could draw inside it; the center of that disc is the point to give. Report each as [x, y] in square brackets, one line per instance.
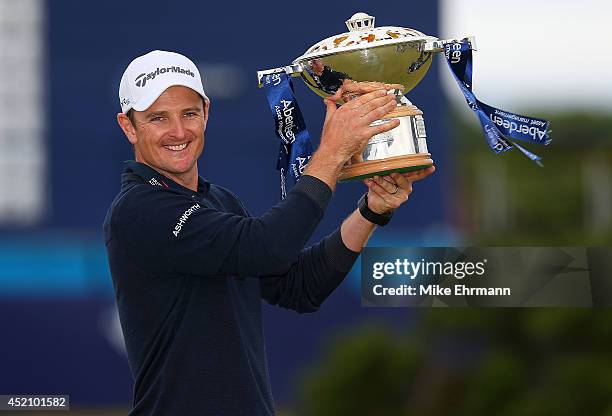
[389, 54]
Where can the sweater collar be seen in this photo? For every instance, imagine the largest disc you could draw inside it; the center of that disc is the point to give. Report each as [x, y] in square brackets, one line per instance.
[154, 178]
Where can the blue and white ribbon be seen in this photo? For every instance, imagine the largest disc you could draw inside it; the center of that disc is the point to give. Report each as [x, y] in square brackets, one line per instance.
[498, 125]
[295, 144]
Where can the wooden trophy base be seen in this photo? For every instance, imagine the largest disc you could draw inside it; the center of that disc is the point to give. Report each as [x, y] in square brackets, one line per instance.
[400, 164]
[360, 169]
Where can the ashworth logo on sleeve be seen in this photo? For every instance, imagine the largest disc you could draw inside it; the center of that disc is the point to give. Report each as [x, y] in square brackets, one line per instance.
[141, 80]
[183, 219]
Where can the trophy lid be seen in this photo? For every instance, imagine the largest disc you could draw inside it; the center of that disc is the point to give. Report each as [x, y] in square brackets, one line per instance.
[363, 34]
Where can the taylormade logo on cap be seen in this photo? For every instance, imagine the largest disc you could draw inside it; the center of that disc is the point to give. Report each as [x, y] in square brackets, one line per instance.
[141, 80]
[148, 76]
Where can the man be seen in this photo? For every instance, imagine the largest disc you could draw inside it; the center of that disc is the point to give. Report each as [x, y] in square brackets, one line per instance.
[190, 266]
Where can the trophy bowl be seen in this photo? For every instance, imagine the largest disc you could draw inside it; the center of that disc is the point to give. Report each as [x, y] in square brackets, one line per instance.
[391, 55]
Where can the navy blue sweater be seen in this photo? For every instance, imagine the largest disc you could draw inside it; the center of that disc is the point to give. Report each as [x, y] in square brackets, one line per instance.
[189, 271]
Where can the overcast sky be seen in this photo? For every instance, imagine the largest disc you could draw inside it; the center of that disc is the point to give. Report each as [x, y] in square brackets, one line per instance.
[535, 53]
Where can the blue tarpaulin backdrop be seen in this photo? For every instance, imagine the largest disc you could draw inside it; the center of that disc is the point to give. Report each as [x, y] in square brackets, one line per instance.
[56, 300]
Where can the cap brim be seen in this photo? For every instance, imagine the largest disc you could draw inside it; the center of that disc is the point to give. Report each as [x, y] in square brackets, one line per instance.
[147, 101]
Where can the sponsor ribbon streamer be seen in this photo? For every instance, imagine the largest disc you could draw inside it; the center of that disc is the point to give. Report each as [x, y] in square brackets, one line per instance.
[295, 146]
[498, 125]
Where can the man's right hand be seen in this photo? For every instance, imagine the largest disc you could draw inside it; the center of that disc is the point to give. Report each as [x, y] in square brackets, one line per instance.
[347, 129]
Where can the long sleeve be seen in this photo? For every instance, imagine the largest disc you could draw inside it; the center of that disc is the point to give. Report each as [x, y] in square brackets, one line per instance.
[312, 278]
[170, 233]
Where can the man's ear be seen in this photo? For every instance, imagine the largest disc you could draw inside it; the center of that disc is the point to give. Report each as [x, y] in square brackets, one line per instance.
[128, 128]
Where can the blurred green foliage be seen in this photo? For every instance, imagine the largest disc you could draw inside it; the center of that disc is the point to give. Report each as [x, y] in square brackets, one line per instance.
[507, 199]
[495, 361]
[469, 362]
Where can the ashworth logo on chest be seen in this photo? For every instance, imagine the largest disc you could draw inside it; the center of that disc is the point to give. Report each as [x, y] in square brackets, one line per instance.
[183, 219]
[141, 80]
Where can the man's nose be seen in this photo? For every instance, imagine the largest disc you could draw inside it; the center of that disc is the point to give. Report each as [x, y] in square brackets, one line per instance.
[177, 128]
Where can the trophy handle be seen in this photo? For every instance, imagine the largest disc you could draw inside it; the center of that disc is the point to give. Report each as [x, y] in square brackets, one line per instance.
[437, 45]
[294, 70]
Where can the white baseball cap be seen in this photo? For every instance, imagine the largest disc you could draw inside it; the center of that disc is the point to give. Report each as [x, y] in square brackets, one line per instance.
[148, 76]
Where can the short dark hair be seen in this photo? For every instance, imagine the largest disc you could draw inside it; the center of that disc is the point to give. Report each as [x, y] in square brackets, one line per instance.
[130, 116]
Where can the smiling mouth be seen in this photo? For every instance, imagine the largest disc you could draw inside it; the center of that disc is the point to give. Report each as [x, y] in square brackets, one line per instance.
[177, 148]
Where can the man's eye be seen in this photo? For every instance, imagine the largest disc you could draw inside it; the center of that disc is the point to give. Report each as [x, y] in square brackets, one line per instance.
[191, 114]
[157, 119]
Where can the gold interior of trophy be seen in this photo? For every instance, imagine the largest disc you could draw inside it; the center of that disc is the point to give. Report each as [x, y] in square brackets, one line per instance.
[402, 63]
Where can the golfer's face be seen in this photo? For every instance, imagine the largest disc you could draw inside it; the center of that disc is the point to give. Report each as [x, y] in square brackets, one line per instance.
[170, 133]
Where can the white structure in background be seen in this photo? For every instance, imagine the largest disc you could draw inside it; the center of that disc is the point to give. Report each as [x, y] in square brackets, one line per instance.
[548, 54]
[23, 194]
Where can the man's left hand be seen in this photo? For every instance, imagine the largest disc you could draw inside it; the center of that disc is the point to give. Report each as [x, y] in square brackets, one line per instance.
[386, 193]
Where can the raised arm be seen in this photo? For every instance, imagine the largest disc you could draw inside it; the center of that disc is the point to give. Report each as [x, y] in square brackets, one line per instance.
[212, 242]
[322, 267]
